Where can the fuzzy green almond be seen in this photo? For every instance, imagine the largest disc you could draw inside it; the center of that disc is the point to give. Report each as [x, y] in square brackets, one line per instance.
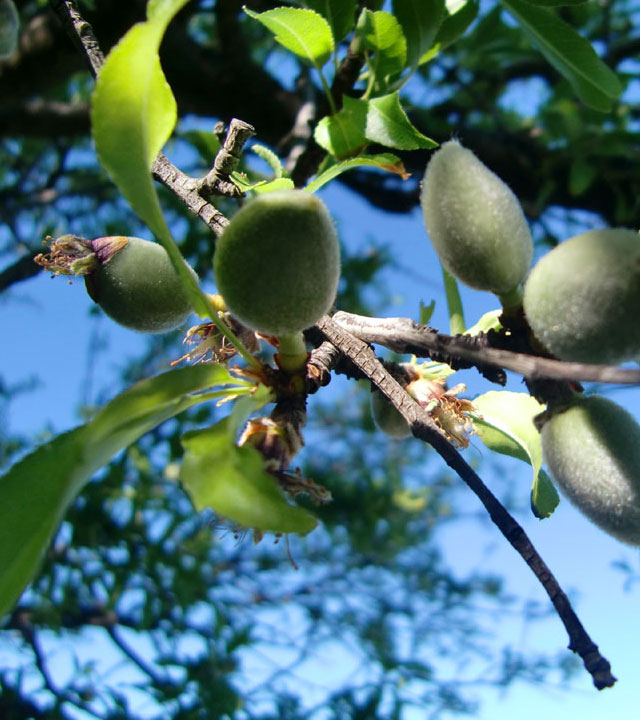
[592, 450]
[277, 264]
[138, 287]
[387, 418]
[582, 299]
[475, 223]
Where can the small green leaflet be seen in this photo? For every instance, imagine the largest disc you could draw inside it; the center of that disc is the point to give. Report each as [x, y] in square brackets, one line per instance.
[381, 120]
[340, 15]
[36, 492]
[270, 158]
[9, 27]
[489, 321]
[133, 113]
[420, 20]
[569, 53]
[385, 161]
[232, 481]
[382, 35]
[303, 32]
[426, 312]
[505, 425]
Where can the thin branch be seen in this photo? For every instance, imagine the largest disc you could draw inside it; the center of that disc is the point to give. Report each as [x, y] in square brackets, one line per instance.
[157, 679]
[405, 336]
[218, 181]
[183, 186]
[423, 427]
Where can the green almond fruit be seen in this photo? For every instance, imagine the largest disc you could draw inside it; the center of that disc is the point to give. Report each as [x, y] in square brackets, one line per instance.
[582, 299]
[592, 450]
[387, 418]
[136, 285]
[277, 263]
[475, 223]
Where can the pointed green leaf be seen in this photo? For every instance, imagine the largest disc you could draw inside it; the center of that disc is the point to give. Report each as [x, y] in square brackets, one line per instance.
[300, 31]
[382, 35]
[458, 15]
[569, 53]
[426, 312]
[36, 492]
[388, 124]
[505, 425]
[133, 113]
[9, 27]
[385, 161]
[232, 481]
[544, 496]
[420, 20]
[343, 134]
[340, 14]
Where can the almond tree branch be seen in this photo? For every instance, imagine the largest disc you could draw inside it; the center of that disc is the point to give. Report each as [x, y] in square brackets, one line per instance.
[405, 336]
[424, 427]
[183, 186]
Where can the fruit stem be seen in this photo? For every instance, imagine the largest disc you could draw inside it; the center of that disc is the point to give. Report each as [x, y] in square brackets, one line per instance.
[292, 352]
[233, 339]
[512, 300]
[454, 303]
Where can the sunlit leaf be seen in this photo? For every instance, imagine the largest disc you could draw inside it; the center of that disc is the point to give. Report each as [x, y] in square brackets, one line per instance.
[388, 124]
[340, 14]
[36, 492]
[569, 53]
[420, 20]
[232, 481]
[301, 31]
[505, 425]
[489, 321]
[385, 161]
[343, 134]
[9, 27]
[381, 120]
[133, 113]
[382, 36]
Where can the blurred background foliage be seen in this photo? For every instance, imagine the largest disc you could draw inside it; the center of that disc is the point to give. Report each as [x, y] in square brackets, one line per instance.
[194, 622]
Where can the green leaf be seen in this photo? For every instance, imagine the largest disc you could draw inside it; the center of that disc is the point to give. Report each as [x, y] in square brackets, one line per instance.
[300, 31]
[9, 27]
[454, 303]
[340, 15]
[269, 157]
[232, 481]
[382, 36]
[343, 134]
[133, 113]
[569, 53]
[36, 492]
[420, 20]
[544, 496]
[262, 186]
[385, 161]
[459, 14]
[505, 425]
[388, 124]
[426, 312]
[489, 321]
[205, 142]
[581, 176]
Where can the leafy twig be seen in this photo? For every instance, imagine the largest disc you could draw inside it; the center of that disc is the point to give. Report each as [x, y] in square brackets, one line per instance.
[217, 181]
[423, 427]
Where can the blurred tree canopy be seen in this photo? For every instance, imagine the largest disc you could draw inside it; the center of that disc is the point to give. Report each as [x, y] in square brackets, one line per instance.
[193, 622]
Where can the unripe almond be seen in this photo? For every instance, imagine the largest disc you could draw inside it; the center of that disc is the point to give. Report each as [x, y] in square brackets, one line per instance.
[582, 299]
[277, 264]
[387, 418]
[138, 287]
[592, 450]
[475, 222]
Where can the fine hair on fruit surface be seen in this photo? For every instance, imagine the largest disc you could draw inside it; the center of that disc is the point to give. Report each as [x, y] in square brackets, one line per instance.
[277, 264]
